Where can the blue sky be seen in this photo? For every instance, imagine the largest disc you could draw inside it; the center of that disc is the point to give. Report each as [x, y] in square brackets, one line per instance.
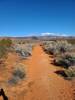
[37, 17]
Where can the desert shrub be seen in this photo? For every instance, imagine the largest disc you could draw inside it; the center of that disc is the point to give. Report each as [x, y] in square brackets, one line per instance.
[2, 56]
[49, 46]
[70, 73]
[24, 50]
[2, 52]
[71, 40]
[63, 46]
[57, 47]
[65, 60]
[5, 45]
[23, 53]
[17, 74]
[6, 42]
[67, 73]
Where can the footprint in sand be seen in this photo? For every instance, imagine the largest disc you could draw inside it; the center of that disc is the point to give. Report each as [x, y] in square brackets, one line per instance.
[30, 84]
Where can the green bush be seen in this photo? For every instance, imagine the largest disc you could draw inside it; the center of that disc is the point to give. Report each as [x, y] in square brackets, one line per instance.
[5, 44]
[2, 52]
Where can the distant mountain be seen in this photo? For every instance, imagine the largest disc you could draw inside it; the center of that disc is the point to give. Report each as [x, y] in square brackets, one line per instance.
[41, 37]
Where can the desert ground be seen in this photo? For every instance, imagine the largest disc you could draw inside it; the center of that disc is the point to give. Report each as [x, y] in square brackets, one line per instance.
[41, 81]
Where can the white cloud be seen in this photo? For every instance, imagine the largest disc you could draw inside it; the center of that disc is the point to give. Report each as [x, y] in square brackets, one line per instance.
[47, 33]
[53, 34]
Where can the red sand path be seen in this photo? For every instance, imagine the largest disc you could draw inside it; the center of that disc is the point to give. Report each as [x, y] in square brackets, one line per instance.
[46, 85]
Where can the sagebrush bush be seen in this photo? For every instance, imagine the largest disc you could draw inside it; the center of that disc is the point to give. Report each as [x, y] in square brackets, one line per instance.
[70, 73]
[57, 47]
[65, 60]
[23, 53]
[64, 56]
[17, 74]
[24, 50]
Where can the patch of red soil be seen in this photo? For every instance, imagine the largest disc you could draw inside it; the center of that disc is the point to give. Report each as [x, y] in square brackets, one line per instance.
[42, 83]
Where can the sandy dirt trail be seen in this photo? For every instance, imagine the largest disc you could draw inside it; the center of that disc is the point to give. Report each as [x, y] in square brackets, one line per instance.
[45, 84]
[42, 83]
